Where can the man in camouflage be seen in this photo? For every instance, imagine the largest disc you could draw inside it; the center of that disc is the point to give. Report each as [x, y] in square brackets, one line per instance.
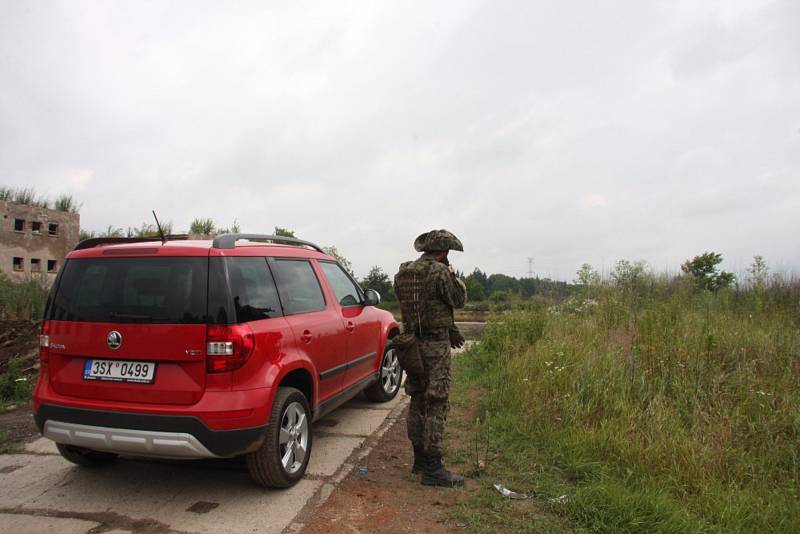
[428, 291]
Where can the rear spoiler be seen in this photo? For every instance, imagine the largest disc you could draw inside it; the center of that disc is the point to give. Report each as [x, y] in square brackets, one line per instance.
[100, 241]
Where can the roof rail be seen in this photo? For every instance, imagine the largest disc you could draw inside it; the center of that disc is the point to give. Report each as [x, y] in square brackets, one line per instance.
[99, 241]
[229, 240]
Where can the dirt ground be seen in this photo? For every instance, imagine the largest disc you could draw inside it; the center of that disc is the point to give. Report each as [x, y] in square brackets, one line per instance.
[389, 498]
[19, 341]
[17, 425]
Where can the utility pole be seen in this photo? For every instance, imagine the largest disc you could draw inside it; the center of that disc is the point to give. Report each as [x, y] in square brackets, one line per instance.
[530, 267]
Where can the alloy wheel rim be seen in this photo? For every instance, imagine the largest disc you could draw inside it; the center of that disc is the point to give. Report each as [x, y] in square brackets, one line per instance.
[293, 438]
[390, 372]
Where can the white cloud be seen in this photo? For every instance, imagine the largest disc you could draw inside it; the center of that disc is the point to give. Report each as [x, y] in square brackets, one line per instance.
[79, 179]
[595, 201]
[364, 124]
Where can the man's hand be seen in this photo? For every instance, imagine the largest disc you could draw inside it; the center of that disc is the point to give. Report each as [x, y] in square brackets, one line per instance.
[457, 339]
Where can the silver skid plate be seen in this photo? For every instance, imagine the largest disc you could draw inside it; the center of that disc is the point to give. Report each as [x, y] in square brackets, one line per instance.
[125, 441]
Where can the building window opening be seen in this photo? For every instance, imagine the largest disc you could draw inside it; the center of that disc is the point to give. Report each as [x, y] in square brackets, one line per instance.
[19, 225]
[36, 265]
[17, 264]
[36, 227]
[52, 266]
[52, 229]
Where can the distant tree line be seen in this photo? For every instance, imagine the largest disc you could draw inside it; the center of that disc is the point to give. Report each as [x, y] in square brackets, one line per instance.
[499, 287]
[480, 286]
[702, 270]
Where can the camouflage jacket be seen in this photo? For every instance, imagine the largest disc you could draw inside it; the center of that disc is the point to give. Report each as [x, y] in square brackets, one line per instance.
[428, 291]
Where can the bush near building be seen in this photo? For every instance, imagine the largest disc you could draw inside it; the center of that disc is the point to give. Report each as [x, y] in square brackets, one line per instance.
[22, 299]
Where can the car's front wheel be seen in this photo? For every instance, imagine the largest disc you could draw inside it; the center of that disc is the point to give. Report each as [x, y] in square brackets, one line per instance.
[282, 459]
[85, 457]
[389, 379]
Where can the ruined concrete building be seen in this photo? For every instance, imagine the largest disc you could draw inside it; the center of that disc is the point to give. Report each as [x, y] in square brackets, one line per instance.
[34, 241]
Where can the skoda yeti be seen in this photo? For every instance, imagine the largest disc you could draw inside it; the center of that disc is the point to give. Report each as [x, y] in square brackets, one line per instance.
[206, 349]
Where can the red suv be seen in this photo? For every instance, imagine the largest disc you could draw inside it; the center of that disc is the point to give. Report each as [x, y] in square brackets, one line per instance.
[206, 349]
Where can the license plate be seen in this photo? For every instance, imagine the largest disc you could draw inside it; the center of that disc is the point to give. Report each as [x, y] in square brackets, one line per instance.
[119, 371]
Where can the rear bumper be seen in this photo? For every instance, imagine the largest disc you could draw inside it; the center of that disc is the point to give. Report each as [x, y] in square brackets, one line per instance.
[217, 410]
[165, 436]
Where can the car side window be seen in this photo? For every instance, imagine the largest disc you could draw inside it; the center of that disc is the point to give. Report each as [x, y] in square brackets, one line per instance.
[346, 291]
[252, 289]
[298, 285]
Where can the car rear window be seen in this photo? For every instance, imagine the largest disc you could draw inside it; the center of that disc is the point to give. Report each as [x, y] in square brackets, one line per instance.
[132, 290]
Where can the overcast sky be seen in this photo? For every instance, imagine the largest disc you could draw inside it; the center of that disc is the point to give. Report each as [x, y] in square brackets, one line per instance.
[569, 132]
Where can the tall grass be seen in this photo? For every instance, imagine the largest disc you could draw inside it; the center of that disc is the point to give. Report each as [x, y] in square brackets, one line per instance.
[66, 203]
[23, 195]
[660, 408]
[29, 197]
[24, 299]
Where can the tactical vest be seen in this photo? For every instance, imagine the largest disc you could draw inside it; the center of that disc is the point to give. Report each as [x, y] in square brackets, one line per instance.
[422, 308]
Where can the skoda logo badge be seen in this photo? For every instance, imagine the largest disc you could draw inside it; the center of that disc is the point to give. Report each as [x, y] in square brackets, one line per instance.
[114, 340]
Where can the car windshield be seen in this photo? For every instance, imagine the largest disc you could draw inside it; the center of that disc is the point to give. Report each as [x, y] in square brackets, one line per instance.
[132, 290]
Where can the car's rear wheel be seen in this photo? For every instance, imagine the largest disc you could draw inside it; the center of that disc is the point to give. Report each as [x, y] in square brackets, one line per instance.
[391, 375]
[282, 459]
[85, 457]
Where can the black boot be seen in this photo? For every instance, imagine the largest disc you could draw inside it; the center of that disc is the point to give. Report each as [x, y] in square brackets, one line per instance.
[436, 475]
[420, 459]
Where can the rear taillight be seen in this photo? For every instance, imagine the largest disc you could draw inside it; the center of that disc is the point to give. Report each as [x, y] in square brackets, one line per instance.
[228, 347]
[44, 346]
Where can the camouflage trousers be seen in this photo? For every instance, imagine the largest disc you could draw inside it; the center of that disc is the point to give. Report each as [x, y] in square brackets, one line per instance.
[427, 412]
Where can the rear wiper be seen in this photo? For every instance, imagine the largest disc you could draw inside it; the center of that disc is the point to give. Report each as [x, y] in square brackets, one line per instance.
[130, 317]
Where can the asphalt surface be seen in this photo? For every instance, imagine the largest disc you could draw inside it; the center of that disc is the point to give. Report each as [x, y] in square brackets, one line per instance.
[43, 493]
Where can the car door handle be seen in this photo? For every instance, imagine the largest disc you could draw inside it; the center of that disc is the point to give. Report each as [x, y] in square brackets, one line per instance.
[306, 337]
[350, 326]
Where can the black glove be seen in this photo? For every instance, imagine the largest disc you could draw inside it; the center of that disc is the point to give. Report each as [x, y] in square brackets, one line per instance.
[457, 339]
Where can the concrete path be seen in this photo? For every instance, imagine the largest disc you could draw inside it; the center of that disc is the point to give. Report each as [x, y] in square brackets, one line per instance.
[41, 492]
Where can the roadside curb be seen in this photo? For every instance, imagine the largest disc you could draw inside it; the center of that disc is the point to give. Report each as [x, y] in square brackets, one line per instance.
[324, 492]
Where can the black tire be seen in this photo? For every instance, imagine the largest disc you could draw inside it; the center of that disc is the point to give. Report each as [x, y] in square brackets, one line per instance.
[85, 457]
[266, 465]
[390, 378]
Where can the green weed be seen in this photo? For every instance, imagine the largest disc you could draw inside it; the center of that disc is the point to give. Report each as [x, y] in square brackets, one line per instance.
[6, 446]
[15, 387]
[651, 406]
[22, 299]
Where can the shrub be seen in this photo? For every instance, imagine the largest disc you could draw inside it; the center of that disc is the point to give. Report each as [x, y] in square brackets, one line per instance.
[202, 226]
[66, 203]
[703, 269]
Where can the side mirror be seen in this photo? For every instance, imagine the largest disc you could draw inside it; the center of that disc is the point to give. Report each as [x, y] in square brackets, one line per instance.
[371, 297]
